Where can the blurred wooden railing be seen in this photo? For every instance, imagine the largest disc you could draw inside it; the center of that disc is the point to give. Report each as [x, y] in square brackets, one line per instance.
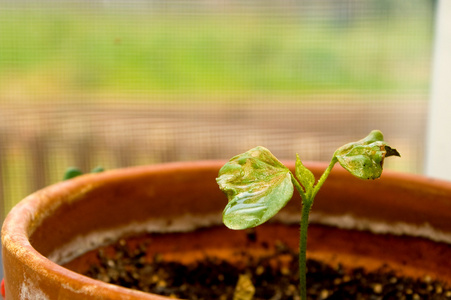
[38, 142]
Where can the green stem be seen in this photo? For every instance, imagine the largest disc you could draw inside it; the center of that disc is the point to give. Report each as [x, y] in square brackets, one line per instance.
[299, 188]
[323, 177]
[306, 206]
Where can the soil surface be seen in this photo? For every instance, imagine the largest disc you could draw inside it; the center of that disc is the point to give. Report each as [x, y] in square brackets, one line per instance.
[273, 277]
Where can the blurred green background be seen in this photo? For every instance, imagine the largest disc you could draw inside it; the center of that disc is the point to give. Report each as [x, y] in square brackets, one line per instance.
[58, 47]
[118, 83]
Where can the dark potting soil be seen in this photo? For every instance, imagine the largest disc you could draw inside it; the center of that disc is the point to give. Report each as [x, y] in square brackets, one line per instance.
[274, 277]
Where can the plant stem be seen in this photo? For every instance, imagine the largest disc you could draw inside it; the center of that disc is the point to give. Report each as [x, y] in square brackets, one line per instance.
[306, 206]
[299, 188]
[323, 178]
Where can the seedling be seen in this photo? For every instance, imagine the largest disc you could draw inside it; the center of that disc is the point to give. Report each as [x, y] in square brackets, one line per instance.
[258, 185]
[73, 172]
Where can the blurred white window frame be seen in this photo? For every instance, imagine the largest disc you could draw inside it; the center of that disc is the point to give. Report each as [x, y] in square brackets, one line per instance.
[438, 141]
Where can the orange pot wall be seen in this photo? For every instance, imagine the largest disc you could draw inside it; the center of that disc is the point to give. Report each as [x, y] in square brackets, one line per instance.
[182, 196]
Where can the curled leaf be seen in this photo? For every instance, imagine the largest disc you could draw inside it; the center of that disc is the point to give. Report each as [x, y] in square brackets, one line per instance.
[257, 186]
[365, 158]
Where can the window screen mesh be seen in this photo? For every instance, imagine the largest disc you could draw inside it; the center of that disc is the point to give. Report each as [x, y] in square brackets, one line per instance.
[123, 83]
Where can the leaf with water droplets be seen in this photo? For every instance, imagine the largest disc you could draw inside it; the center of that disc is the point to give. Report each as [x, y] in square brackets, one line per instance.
[257, 186]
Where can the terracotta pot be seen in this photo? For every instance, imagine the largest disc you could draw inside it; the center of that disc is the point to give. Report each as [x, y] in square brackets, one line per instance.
[364, 222]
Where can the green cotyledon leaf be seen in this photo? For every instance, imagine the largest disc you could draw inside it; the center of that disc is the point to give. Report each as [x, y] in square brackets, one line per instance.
[365, 158]
[257, 186]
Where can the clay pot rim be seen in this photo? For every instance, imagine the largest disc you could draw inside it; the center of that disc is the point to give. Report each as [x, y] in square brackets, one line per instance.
[25, 217]
[21, 228]
[21, 222]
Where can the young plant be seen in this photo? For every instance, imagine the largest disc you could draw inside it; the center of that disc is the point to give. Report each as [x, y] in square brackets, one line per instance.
[73, 172]
[258, 185]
